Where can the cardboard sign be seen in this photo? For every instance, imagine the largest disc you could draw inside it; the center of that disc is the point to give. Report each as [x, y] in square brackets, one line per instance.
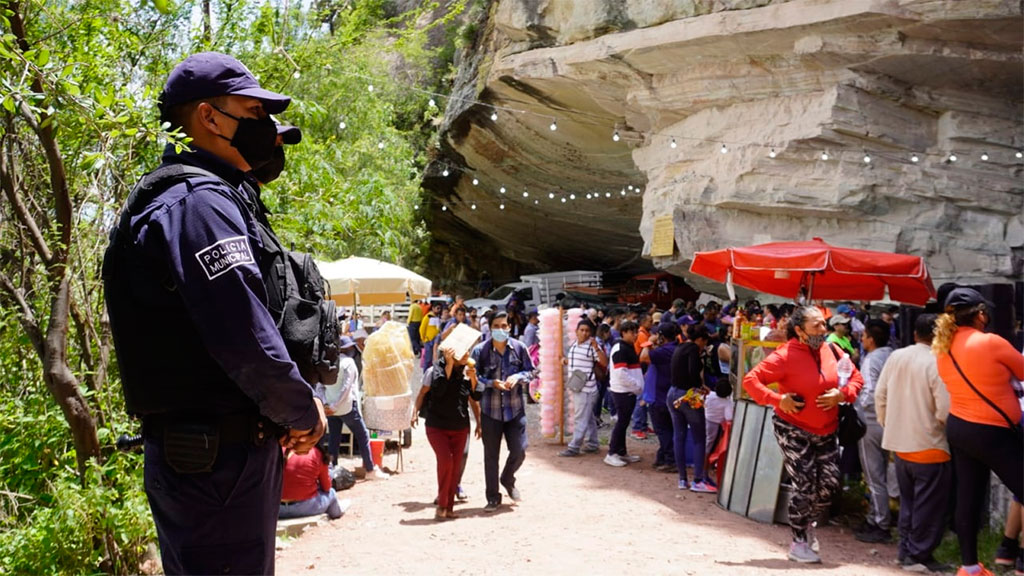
[461, 340]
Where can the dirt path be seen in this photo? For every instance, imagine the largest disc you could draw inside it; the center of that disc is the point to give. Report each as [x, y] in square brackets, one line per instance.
[578, 516]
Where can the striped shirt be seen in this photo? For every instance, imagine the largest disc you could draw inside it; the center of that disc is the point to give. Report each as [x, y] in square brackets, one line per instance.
[582, 357]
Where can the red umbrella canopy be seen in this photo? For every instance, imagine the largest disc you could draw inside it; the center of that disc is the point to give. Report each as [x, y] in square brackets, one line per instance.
[831, 272]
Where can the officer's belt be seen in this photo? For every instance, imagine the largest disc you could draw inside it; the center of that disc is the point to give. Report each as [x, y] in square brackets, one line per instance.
[234, 428]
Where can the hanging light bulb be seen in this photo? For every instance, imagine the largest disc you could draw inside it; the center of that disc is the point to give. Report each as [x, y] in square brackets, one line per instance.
[416, 207]
[536, 202]
[296, 75]
[952, 157]
[630, 187]
[572, 196]
[342, 125]
[723, 149]
[588, 196]
[502, 190]
[672, 144]
[380, 145]
[472, 206]
[554, 126]
[370, 87]
[494, 116]
[984, 156]
[772, 154]
[444, 208]
[622, 192]
[867, 158]
[431, 103]
[501, 206]
[824, 156]
[637, 190]
[607, 194]
[1019, 154]
[915, 158]
[551, 195]
[615, 136]
[563, 200]
[526, 195]
[445, 172]
[475, 181]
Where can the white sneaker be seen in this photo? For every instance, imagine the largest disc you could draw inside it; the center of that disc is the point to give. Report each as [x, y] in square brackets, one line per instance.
[614, 460]
[812, 537]
[379, 474]
[630, 458]
[801, 552]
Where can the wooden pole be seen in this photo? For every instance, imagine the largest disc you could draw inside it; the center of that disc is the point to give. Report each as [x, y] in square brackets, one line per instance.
[561, 381]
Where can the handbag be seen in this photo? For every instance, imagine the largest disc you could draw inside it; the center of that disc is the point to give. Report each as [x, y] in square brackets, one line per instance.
[1014, 427]
[577, 380]
[851, 426]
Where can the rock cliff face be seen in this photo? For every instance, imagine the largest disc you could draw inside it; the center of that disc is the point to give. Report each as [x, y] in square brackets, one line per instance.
[723, 111]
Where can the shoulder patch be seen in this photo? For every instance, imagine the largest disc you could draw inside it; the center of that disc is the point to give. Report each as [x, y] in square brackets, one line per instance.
[224, 255]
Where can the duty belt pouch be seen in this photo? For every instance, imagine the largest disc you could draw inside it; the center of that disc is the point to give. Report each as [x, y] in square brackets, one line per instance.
[191, 448]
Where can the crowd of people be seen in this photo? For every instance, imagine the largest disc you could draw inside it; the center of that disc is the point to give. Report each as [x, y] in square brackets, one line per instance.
[925, 418]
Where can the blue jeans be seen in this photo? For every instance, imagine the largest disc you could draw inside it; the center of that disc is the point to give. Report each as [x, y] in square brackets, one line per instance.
[428, 354]
[360, 435]
[663, 427]
[640, 417]
[315, 506]
[686, 419]
[514, 432]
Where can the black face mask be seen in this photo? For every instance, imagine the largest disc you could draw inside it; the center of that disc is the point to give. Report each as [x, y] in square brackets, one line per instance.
[270, 170]
[255, 139]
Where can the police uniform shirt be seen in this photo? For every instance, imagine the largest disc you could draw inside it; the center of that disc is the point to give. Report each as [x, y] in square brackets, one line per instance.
[208, 241]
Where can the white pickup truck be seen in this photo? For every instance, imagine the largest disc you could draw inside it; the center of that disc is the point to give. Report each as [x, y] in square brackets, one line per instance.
[536, 290]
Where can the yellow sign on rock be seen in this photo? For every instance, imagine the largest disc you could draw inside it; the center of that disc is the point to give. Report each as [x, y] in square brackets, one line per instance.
[663, 242]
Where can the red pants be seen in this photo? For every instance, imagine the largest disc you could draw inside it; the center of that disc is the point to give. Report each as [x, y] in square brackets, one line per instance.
[448, 446]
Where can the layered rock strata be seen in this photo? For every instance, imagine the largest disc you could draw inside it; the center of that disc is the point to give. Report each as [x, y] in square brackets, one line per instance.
[779, 84]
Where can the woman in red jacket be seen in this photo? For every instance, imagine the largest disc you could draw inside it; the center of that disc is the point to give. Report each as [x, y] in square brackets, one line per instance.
[806, 418]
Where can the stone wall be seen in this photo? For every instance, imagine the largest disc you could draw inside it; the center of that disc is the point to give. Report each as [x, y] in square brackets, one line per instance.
[883, 78]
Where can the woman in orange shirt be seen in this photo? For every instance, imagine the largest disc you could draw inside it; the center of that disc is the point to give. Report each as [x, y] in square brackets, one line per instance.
[976, 368]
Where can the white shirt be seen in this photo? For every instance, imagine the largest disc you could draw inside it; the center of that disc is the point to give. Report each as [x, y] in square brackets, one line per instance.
[339, 396]
[912, 402]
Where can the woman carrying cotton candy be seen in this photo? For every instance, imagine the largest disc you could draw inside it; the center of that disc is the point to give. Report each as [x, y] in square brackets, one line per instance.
[453, 384]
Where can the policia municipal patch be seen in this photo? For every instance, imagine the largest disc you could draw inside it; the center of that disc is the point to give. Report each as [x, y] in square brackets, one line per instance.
[218, 258]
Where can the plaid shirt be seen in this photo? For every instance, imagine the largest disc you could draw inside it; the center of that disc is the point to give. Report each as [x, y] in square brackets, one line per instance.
[514, 365]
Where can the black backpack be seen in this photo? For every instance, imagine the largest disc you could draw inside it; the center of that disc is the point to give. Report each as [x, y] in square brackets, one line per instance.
[297, 296]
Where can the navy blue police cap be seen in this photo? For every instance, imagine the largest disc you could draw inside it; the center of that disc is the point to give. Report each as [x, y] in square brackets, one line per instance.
[210, 74]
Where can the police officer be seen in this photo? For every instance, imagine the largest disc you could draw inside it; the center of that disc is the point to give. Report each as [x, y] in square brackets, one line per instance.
[202, 361]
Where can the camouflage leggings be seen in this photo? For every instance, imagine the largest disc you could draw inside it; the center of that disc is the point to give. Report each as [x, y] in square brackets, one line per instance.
[812, 464]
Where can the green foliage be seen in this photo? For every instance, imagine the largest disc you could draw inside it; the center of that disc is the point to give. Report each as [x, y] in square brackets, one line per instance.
[100, 65]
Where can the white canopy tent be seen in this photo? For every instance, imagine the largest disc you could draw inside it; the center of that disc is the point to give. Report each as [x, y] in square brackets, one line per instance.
[365, 281]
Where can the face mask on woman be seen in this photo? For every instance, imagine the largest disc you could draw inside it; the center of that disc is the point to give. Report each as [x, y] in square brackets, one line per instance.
[815, 342]
[499, 335]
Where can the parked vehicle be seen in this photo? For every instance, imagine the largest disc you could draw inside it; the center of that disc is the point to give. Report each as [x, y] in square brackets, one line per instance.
[535, 290]
[659, 288]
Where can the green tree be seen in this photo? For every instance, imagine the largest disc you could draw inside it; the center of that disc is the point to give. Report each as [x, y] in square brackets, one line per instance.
[78, 82]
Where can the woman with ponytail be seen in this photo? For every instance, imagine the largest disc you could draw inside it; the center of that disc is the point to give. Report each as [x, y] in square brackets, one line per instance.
[983, 428]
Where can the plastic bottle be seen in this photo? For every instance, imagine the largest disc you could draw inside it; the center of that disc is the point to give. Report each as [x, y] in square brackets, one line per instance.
[844, 369]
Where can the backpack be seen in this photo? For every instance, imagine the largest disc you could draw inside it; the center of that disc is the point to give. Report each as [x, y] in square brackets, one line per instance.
[297, 298]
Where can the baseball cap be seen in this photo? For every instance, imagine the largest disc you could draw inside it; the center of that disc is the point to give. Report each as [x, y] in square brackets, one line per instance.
[838, 319]
[687, 320]
[209, 74]
[966, 297]
[288, 134]
[844, 309]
